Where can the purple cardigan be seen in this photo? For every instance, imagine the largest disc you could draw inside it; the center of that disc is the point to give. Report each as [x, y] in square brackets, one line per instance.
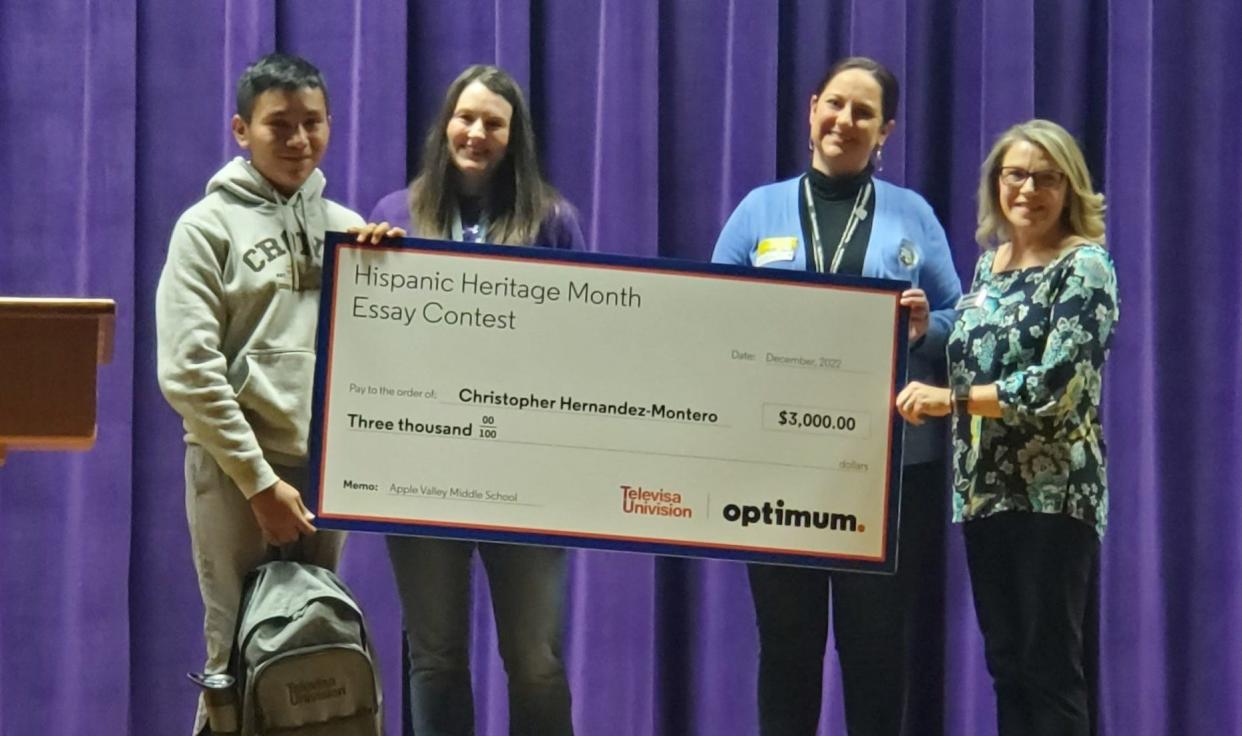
[560, 229]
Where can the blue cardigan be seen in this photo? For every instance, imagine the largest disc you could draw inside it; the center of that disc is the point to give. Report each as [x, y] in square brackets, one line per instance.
[901, 217]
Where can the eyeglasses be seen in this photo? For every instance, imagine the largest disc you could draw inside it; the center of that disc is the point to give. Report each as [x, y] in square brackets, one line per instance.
[1012, 176]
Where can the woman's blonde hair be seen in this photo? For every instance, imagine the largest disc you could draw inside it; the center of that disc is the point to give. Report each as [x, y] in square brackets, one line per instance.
[1084, 211]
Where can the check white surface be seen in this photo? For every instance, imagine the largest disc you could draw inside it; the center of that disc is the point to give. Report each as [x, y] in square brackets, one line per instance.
[645, 405]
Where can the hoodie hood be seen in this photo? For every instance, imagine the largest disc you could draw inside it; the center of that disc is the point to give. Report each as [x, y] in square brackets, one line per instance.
[242, 180]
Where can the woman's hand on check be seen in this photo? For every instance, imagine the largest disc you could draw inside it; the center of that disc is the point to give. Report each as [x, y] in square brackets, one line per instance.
[376, 232]
[918, 401]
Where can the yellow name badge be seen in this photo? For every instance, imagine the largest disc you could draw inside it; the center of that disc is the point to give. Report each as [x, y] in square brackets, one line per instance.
[771, 250]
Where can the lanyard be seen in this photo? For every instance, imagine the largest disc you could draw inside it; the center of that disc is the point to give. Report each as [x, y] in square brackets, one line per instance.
[476, 233]
[858, 213]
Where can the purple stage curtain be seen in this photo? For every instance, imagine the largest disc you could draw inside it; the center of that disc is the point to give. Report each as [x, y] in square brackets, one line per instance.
[655, 119]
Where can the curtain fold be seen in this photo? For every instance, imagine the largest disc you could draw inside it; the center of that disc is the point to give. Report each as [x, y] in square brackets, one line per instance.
[654, 118]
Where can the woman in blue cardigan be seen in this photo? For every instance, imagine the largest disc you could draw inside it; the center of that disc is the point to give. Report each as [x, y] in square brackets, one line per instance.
[839, 218]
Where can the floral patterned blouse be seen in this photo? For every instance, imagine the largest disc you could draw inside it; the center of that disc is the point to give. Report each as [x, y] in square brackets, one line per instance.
[1041, 335]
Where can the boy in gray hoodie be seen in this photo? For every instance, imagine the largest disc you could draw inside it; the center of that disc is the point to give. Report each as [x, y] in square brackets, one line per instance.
[236, 312]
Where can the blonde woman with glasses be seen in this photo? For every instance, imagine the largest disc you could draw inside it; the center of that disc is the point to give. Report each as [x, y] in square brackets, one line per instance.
[1030, 483]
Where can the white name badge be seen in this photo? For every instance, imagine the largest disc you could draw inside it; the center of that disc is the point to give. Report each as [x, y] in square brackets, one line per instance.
[532, 396]
[972, 300]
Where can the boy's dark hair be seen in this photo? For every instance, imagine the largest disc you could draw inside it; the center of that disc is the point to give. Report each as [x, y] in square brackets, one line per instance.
[276, 71]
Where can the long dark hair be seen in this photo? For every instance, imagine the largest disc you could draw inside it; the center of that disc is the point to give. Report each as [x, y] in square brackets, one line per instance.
[518, 197]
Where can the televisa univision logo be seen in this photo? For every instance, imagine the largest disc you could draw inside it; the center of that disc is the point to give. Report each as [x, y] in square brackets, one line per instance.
[648, 502]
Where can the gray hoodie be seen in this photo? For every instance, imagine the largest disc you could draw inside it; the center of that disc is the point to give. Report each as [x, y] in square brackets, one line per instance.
[236, 311]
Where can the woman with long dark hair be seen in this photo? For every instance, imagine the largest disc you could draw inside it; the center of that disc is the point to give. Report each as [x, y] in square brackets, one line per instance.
[480, 182]
[479, 179]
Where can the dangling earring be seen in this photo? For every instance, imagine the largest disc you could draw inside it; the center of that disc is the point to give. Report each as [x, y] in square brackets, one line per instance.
[810, 145]
[879, 158]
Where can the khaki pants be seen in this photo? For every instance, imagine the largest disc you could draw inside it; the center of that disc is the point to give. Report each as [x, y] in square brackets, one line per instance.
[227, 544]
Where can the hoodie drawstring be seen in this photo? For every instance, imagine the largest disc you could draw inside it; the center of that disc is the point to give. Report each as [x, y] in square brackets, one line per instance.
[297, 236]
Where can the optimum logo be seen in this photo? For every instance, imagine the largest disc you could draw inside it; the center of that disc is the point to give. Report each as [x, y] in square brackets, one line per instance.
[770, 514]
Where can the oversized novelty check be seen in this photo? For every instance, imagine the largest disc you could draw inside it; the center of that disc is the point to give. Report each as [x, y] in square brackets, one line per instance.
[532, 396]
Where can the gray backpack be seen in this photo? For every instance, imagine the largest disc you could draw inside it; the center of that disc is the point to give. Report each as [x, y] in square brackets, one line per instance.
[302, 656]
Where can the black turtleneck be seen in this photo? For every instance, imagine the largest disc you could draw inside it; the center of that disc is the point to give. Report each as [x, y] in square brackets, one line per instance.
[834, 198]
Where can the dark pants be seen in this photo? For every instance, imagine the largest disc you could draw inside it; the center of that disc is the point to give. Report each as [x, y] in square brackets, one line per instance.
[1030, 577]
[528, 597]
[873, 619]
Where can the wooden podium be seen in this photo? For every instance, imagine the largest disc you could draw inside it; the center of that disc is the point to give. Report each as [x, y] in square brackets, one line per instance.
[49, 351]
